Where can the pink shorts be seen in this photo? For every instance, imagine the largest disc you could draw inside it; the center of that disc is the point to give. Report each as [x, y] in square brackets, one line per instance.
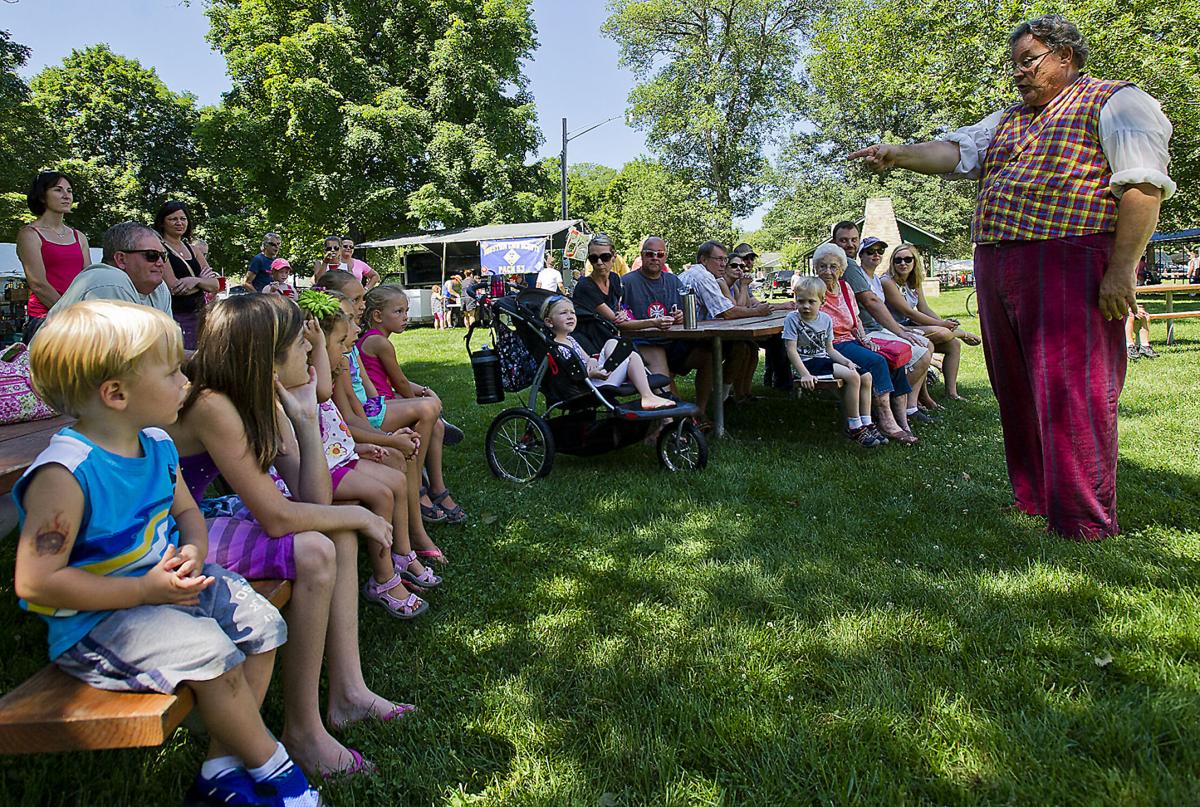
[338, 473]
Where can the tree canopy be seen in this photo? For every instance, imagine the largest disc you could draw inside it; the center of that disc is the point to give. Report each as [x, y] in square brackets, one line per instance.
[126, 138]
[720, 78]
[26, 141]
[373, 115]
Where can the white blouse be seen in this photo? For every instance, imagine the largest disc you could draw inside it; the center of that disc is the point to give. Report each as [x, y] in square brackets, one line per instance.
[1133, 133]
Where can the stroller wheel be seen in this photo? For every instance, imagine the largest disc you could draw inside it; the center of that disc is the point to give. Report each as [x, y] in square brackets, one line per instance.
[682, 447]
[519, 446]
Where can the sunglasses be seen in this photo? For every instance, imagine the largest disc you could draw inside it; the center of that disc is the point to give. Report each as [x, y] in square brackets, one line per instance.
[873, 251]
[152, 255]
[903, 259]
[603, 257]
[653, 254]
[736, 265]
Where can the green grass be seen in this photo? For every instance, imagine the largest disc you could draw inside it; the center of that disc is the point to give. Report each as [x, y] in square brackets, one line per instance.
[802, 622]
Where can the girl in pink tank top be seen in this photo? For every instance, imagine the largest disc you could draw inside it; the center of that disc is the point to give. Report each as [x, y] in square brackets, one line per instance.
[378, 326]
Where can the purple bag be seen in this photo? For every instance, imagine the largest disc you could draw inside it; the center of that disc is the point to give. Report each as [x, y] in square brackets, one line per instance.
[18, 402]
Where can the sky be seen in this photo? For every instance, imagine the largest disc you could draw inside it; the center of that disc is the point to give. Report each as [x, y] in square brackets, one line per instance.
[573, 74]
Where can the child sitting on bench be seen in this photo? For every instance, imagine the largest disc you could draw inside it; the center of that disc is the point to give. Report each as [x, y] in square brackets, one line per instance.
[808, 340]
[112, 549]
[559, 315]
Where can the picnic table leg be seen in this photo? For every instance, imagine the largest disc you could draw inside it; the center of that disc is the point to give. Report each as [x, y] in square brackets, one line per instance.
[1170, 322]
[718, 388]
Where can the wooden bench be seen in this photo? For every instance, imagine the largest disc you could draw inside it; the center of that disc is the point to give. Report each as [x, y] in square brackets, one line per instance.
[1170, 317]
[20, 443]
[1169, 290]
[53, 712]
[823, 383]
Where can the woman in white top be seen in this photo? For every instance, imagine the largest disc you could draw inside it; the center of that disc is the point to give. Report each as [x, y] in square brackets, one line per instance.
[905, 298]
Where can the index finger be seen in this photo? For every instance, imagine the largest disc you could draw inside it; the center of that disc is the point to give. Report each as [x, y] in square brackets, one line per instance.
[867, 152]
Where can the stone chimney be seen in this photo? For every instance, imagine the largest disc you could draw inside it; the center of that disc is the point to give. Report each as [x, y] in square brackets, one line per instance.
[880, 220]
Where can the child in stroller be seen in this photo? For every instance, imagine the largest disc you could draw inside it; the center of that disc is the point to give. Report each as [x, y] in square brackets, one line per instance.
[582, 415]
[615, 363]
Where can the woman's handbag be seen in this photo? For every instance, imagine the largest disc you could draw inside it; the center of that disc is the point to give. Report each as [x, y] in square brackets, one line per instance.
[898, 353]
[18, 402]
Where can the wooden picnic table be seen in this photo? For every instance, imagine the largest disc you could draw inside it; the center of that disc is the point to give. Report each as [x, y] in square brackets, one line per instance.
[1170, 315]
[20, 443]
[716, 330]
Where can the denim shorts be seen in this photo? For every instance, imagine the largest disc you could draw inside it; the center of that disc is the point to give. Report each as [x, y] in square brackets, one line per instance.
[155, 648]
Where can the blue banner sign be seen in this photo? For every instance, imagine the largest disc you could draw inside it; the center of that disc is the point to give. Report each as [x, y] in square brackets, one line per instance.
[511, 257]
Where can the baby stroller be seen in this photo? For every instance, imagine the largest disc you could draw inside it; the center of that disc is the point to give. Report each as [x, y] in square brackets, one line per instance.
[579, 418]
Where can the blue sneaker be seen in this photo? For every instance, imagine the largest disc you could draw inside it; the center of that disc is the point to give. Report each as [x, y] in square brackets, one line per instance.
[288, 789]
[234, 786]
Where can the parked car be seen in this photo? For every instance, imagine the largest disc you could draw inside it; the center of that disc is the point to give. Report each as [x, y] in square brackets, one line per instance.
[780, 283]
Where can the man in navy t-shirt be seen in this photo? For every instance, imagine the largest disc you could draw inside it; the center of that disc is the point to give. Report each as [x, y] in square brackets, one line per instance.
[651, 298]
[258, 276]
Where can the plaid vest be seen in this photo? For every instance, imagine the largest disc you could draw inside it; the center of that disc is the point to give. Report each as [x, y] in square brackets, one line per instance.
[1045, 175]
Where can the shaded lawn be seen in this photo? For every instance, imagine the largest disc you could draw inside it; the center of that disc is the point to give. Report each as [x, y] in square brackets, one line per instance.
[802, 622]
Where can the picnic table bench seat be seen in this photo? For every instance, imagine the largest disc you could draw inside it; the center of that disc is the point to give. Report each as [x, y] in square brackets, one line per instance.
[823, 383]
[1173, 315]
[53, 712]
[20, 443]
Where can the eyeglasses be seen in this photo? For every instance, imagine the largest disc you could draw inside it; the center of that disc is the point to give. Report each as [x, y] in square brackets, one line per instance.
[722, 259]
[903, 259]
[1027, 64]
[152, 255]
[603, 257]
[649, 253]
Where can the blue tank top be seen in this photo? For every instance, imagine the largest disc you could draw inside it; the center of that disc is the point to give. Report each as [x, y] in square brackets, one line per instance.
[127, 522]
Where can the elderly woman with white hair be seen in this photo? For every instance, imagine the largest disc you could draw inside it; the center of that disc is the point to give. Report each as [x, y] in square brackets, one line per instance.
[889, 387]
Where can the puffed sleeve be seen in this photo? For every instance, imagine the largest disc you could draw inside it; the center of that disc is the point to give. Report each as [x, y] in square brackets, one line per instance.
[1134, 134]
[973, 142]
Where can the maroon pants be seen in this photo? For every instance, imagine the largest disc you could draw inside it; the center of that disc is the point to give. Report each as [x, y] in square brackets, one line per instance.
[1057, 367]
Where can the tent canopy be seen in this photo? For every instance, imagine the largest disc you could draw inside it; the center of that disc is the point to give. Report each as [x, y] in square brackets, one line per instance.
[437, 254]
[1183, 235]
[464, 241]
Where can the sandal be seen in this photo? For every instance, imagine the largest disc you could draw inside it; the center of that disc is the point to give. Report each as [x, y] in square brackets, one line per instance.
[360, 767]
[426, 579]
[434, 555]
[409, 608]
[455, 514]
[902, 437]
[431, 513]
[397, 711]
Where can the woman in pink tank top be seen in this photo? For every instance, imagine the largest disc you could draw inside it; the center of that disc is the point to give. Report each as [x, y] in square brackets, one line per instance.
[51, 252]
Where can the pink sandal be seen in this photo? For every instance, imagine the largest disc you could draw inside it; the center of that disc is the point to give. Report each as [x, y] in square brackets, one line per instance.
[409, 608]
[360, 767]
[434, 555]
